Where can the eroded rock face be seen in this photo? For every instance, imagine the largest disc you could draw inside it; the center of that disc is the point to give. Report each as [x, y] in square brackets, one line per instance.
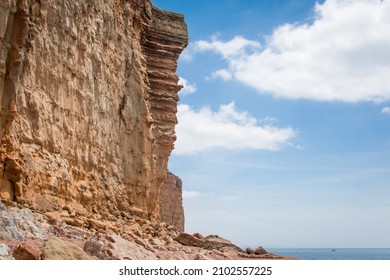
[171, 202]
[88, 96]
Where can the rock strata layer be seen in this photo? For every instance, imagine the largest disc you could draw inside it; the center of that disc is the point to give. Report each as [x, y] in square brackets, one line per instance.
[88, 95]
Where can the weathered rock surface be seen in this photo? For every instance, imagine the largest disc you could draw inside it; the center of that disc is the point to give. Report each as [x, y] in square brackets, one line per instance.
[114, 247]
[29, 250]
[199, 235]
[58, 249]
[5, 252]
[88, 95]
[171, 202]
[190, 240]
[18, 223]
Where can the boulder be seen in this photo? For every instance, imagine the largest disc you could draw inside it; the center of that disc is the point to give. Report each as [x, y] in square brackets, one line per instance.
[260, 251]
[249, 251]
[29, 250]
[98, 225]
[134, 228]
[58, 249]
[189, 240]
[114, 247]
[199, 236]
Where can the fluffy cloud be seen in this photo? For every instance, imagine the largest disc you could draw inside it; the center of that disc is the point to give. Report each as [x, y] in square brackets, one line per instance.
[343, 55]
[227, 128]
[235, 47]
[187, 87]
[386, 110]
[222, 74]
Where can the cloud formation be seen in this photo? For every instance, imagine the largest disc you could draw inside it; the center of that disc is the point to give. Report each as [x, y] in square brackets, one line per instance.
[236, 47]
[227, 128]
[223, 74]
[187, 87]
[343, 55]
[386, 110]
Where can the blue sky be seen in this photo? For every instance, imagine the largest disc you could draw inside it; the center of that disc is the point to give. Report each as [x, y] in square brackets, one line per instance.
[284, 121]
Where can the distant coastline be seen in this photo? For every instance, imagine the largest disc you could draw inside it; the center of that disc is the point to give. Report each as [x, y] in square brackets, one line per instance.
[334, 253]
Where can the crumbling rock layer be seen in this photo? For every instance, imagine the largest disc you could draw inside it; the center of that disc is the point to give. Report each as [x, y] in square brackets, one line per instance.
[88, 96]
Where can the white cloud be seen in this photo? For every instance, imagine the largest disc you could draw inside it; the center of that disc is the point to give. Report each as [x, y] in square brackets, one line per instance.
[187, 87]
[343, 55]
[227, 128]
[235, 47]
[268, 120]
[190, 194]
[386, 110]
[222, 74]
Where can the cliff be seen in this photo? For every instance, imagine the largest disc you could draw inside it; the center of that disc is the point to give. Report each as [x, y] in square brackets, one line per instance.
[88, 104]
[171, 202]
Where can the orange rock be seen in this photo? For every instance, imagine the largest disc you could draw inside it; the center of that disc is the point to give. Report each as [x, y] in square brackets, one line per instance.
[28, 250]
[7, 191]
[74, 222]
[198, 235]
[134, 228]
[53, 218]
[98, 225]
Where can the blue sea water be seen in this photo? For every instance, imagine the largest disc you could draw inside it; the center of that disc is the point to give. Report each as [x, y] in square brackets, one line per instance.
[334, 254]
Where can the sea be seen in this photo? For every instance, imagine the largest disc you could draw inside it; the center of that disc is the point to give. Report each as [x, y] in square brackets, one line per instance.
[334, 254]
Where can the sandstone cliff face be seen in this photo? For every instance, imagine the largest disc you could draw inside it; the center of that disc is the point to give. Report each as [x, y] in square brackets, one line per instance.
[88, 96]
[171, 202]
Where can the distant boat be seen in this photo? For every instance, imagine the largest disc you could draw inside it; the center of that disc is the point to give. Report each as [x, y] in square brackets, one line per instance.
[333, 250]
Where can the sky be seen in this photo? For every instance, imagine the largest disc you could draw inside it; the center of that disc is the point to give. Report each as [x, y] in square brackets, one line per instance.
[283, 137]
